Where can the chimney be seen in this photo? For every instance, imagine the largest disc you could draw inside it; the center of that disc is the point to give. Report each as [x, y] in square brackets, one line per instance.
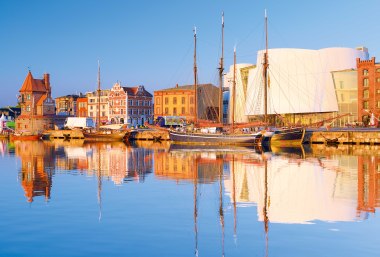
[47, 81]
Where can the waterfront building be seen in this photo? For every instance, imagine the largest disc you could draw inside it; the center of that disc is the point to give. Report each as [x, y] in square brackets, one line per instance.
[130, 105]
[300, 84]
[66, 105]
[92, 105]
[37, 105]
[179, 102]
[82, 106]
[368, 87]
[346, 88]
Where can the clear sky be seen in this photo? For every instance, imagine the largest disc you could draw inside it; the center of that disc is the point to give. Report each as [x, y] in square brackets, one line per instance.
[150, 43]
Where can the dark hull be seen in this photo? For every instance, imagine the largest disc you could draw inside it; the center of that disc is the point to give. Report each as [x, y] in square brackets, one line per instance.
[289, 137]
[203, 138]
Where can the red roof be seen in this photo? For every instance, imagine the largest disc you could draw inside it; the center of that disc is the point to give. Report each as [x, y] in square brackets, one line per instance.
[33, 85]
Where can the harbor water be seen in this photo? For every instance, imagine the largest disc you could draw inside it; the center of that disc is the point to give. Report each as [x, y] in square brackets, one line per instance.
[72, 198]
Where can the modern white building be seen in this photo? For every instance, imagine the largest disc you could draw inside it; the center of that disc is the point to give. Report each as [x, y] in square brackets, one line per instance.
[300, 81]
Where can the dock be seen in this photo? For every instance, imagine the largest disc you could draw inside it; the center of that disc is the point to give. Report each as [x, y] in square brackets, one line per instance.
[352, 136]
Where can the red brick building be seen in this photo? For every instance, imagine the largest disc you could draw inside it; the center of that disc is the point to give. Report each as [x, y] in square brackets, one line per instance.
[37, 106]
[368, 88]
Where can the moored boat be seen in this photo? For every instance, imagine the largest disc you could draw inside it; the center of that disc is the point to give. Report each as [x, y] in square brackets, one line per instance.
[27, 136]
[105, 134]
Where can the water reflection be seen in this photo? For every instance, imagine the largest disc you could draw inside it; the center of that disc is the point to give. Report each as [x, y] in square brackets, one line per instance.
[301, 185]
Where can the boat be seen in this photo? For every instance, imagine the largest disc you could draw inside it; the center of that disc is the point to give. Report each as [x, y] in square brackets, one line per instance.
[209, 132]
[105, 133]
[27, 136]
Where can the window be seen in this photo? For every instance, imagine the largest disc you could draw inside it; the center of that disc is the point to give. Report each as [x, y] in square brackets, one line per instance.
[191, 100]
[365, 72]
[183, 110]
[365, 105]
[158, 100]
[158, 110]
[183, 100]
[91, 114]
[341, 84]
[365, 82]
[137, 102]
[378, 70]
[378, 80]
[366, 93]
[28, 96]
[378, 104]
[130, 102]
[191, 110]
[166, 110]
[166, 100]
[28, 108]
[174, 100]
[174, 111]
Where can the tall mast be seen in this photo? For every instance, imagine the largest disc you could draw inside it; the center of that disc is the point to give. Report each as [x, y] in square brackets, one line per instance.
[221, 69]
[98, 91]
[233, 93]
[195, 75]
[265, 70]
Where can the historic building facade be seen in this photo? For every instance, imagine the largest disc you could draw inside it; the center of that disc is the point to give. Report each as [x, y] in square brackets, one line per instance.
[37, 106]
[93, 107]
[130, 105]
[66, 105]
[82, 106]
[368, 88]
[180, 102]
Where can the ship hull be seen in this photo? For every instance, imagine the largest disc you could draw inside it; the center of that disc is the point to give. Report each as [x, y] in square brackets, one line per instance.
[288, 137]
[203, 138]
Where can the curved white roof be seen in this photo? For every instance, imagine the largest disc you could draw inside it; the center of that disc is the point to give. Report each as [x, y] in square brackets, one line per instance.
[300, 80]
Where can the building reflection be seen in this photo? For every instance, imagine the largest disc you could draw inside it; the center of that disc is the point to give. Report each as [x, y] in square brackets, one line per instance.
[37, 167]
[115, 161]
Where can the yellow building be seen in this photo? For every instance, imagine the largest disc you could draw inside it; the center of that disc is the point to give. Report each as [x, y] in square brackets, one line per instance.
[180, 102]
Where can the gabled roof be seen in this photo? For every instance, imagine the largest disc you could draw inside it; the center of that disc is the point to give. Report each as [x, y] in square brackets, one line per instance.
[135, 91]
[32, 85]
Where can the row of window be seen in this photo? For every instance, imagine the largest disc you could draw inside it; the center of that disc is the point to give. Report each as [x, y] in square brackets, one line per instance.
[174, 99]
[366, 81]
[366, 104]
[366, 72]
[175, 111]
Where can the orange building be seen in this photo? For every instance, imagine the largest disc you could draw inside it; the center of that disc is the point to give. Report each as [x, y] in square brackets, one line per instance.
[82, 107]
[368, 88]
[180, 101]
[37, 106]
[66, 105]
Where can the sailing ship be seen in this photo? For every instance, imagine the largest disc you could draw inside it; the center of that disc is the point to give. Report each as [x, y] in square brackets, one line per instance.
[211, 132]
[104, 133]
[278, 136]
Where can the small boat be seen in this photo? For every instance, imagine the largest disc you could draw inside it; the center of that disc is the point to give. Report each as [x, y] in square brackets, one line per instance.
[104, 134]
[25, 136]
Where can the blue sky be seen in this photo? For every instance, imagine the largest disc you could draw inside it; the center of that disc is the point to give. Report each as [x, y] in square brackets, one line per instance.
[150, 43]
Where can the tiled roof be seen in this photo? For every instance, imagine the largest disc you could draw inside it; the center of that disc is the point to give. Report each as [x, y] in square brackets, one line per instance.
[33, 85]
[135, 91]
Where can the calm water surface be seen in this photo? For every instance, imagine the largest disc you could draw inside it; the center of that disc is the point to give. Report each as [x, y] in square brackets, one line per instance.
[76, 199]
